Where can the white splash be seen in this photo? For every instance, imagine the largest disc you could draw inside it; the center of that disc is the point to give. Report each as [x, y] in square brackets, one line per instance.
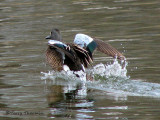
[66, 68]
[69, 80]
[67, 75]
[104, 70]
[111, 79]
[114, 69]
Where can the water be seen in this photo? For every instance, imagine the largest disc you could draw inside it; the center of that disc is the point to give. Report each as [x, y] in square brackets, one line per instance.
[29, 89]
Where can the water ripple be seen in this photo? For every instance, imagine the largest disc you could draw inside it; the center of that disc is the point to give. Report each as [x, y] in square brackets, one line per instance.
[99, 8]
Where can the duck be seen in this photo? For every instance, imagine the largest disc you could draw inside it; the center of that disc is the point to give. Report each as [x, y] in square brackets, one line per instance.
[78, 55]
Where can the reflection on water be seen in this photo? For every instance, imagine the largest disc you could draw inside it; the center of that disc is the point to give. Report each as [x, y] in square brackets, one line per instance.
[62, 103]
[132, 26]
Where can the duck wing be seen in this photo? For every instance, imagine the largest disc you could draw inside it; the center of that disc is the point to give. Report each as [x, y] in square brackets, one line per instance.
[108, 49]
[82, 54]
[64, 50]
[54, 59]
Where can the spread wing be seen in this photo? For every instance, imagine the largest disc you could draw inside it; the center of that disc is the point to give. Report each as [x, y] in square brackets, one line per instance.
[108, 49]
[82, 54]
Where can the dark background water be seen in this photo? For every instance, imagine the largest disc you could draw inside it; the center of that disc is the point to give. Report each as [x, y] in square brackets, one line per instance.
[132, 26]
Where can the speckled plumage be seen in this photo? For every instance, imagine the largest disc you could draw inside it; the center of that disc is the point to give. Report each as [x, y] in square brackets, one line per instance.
[54, 59]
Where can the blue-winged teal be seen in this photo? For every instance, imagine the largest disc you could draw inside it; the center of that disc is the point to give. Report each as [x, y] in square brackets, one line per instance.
[77, 55]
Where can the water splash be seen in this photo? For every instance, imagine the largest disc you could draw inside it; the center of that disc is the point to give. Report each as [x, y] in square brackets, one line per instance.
[110, 78]
[115, 69]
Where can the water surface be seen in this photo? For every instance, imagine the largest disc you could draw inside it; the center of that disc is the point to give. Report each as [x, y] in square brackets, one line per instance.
[29, 88]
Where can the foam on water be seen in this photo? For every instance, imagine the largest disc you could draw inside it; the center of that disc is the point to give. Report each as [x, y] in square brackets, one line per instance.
[108, 78]
[107, 71]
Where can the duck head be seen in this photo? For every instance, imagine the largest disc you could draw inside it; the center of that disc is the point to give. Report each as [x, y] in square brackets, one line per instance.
[55, 35]
[55, 39]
